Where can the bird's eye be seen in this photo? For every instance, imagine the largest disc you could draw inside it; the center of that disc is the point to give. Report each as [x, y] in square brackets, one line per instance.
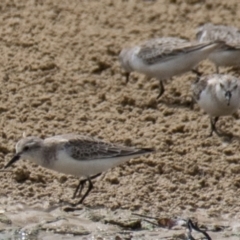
[26, 148]
[235, 87]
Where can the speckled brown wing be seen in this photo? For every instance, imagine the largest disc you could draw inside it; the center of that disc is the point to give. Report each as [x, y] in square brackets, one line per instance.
[229, 35]
[232, 39]
[198, 86]
[88, 148]
[161, 50]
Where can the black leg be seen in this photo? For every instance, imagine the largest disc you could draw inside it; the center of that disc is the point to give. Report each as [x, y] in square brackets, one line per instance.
[127, 74]
[161, 89]
[82, 183]
[90, 187]
[79, 187]
[192, 103]
[213, 122]
[192, 226]
[199, 74]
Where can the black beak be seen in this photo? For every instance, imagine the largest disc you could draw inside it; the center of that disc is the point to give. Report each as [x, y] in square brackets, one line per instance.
[13, 160]
[228, 96]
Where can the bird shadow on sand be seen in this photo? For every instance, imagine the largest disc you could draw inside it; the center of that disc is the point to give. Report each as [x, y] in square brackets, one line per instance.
[234, 70]
[228, 137]
[177, 103]
[71, 207]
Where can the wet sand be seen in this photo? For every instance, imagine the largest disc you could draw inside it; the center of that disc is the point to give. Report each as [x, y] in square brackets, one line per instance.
[60, 74]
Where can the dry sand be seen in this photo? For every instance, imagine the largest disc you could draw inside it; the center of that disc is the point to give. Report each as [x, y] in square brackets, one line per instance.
[59, 74]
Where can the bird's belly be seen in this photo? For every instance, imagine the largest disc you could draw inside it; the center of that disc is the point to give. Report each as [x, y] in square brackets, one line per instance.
[215, 108]
[68, 165]
[225, 58]
[167, 69]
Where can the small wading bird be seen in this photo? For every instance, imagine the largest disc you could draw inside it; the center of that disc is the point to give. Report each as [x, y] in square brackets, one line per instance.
[76, 155]
[218, 95]
[229, 53]
[163, 58]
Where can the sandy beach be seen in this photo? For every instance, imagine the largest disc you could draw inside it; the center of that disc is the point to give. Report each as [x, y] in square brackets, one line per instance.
[60, 74]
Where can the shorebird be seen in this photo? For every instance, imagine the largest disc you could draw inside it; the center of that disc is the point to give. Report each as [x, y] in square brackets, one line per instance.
[218, 95]
[163, 58]
[77, 155]
[229, 53]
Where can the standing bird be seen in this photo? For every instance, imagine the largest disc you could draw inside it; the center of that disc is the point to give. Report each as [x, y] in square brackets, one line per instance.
[218, 95]
[163, 58]
[76, 155]
[229, 53]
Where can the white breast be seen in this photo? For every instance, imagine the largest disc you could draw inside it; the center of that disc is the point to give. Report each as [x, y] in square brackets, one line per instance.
[225, 58]
[214, 107]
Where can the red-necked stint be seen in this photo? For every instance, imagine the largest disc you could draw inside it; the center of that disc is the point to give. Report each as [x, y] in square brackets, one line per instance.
[76, 155]
[218, 95]
[229, 53]
[163, 58]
